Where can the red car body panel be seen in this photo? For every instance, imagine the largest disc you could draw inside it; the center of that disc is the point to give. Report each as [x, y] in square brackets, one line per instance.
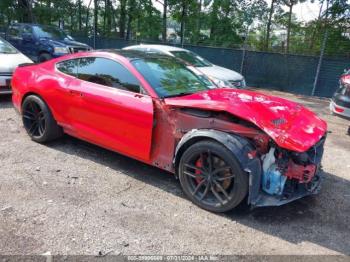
[148, 128]
[291, 125]
[109, 117]
[155, 130]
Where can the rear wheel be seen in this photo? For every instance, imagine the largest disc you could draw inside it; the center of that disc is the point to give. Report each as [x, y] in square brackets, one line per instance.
[211, 177]
[38, 120]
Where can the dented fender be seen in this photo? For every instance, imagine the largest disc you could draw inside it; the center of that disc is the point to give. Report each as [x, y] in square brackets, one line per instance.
[240, 148]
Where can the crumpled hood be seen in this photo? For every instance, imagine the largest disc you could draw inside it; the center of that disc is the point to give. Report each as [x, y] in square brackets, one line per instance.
[8, 62]
[289, 124]
[221, 73]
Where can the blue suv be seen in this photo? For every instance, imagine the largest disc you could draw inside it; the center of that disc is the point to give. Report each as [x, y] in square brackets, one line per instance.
[42, 42]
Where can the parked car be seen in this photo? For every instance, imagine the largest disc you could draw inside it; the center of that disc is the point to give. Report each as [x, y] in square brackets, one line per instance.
[42, 42]
[10, 58]
[223, 144]
[340, 103]
[222, 77]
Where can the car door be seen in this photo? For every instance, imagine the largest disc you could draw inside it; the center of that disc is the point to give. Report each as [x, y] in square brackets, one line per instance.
[108, 107]
[14, 37]
[29, 45]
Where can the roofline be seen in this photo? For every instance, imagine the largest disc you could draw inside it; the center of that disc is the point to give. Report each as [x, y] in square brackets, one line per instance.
[34, 24]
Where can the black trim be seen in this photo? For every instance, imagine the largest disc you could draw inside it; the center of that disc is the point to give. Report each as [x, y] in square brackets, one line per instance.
[27, 64]
[6, 74]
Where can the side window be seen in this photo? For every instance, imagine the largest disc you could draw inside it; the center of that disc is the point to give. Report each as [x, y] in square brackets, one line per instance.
[14, 32]
[107, 72]
[27, 30]
[69, 67]
[155, 51]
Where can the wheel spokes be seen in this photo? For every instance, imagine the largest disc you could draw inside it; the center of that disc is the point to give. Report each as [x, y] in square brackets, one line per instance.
[33, 128]
[210, 177]
[193, 175]
[221, 169]
[224, 178]
[200, 184]
[28, 116]
[216, 194]
[34, 119]
[206, 190]
[41, 127]
[194, 167]
[222, 190]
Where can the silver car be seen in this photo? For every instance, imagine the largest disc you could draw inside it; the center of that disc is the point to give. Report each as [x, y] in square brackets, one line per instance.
[10, 58]
[340, 103]
[220, 76]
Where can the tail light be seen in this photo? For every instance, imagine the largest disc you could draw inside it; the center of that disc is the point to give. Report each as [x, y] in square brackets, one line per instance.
[338, 109]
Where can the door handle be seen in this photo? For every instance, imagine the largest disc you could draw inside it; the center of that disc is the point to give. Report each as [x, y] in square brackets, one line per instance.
[75, 92]
[138, 95]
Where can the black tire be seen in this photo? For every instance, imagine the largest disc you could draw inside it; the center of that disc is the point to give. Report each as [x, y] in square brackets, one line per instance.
[225, 172]
[43, 57]
[38, 120]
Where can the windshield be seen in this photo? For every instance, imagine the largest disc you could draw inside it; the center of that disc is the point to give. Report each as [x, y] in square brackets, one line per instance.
[191, 58]
[6, 48]
[51, 32]
[168, 77]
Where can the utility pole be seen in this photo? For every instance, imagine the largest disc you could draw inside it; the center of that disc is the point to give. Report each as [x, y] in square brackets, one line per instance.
[183, 18]
[244, 50]
[95, 20]
[323, 47]
[165, 11]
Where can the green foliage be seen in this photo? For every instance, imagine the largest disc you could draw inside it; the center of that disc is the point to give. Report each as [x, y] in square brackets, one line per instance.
[226, 23]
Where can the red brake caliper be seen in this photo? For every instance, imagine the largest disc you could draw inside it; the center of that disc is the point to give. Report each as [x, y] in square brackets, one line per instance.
[197, 172]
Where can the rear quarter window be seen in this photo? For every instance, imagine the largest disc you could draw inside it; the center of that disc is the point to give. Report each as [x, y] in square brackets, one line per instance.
[69, 67]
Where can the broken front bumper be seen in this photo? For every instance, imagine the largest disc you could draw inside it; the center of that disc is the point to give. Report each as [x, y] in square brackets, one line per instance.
[294, 189]
[303, 190]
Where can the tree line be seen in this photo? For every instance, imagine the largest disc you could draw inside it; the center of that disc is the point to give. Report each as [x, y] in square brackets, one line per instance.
[252, 24]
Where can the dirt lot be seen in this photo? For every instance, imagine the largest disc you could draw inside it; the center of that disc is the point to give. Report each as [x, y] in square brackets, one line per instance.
[70, 197]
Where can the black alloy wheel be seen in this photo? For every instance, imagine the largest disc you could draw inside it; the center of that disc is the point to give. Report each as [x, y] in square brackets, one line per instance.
[211, 177]
[34, 119]
[38, 120]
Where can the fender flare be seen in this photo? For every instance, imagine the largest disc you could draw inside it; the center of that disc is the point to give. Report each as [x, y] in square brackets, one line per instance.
[239, 146]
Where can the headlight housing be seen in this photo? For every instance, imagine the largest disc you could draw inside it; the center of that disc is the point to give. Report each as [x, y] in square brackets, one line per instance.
[220, 83]
[61, 50]
[244, 84]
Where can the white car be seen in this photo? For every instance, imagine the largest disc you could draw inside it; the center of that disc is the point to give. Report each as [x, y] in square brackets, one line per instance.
[10, 58]
[221, 76]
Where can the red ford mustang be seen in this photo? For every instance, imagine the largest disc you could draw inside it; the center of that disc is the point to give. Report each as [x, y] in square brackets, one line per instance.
[224, 145]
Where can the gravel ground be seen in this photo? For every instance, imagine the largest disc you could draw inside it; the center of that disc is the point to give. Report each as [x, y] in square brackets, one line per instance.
[70, 197]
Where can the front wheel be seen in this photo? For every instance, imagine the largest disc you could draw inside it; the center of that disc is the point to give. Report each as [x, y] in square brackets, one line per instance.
[38, 120]
[211, 177]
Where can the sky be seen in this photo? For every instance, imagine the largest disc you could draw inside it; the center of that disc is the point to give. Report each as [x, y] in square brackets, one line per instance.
[304, 12]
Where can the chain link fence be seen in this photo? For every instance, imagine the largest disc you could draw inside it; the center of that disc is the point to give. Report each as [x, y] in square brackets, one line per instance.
[283, 72]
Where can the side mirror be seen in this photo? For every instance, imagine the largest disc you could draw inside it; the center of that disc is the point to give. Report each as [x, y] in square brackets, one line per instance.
[27, 37]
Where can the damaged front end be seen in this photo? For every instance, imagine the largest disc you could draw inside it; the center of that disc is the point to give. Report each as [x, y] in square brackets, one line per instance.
[286, 175]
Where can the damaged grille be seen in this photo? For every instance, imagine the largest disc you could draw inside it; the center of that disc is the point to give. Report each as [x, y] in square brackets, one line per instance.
[278, 121]
[315, 153]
